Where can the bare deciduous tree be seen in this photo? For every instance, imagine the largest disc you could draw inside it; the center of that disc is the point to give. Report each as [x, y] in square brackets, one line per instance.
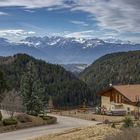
[12, 102]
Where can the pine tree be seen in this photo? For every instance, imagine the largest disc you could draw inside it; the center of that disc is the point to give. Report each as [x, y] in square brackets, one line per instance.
[2, 85]
[32, 91]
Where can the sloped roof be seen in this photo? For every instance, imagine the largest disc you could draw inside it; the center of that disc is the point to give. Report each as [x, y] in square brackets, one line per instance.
[129, 91]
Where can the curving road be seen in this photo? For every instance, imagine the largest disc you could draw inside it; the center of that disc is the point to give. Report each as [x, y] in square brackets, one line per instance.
[63, 123]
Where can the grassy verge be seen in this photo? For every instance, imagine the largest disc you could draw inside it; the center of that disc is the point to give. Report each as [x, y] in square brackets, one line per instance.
[89, 133]
[126, 134]
[100, 132]
[127, 130]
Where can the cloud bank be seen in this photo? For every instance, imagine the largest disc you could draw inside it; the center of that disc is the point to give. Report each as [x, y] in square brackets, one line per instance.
[31, 4]
[15, 34]
[121, 16]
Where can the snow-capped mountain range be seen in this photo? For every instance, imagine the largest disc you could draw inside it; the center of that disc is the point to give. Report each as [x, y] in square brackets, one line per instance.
[61, 42]
[62, 50]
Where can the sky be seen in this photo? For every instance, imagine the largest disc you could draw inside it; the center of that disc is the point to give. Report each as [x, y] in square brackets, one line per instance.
[104, 19]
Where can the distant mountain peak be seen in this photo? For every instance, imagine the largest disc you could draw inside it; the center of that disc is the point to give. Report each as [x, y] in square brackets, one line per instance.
[58, 41]
[63, 50]
[4, 41]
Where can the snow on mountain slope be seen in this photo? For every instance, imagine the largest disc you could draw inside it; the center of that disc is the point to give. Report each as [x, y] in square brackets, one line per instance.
[62, 42]
[62, 50]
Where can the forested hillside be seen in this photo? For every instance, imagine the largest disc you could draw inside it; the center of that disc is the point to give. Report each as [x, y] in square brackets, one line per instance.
[116, 68]
[64, 88]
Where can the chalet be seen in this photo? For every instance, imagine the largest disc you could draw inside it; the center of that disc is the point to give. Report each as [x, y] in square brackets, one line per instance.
[121, 97]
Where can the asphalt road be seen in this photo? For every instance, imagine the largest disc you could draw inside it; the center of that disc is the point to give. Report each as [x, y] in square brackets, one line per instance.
[63, 123]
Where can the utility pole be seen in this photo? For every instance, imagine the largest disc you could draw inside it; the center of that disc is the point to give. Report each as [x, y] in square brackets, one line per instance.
[138, 104]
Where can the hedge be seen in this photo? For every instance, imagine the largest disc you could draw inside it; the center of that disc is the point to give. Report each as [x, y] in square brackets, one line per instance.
[23, 118]
[52, 120]
[9, 121]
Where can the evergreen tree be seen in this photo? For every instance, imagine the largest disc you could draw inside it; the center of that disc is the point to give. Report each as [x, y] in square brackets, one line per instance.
[2, 85]
[32, 90]
[64, 88]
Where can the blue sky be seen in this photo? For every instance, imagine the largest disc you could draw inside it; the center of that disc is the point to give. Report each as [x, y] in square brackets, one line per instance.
[71, 18]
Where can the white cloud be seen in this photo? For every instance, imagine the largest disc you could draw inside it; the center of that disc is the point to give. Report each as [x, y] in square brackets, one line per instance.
[120, 15]
[15, 34]
[32, 3]
[82, 23]
[3, 14]
[29, 11]
[82, 34]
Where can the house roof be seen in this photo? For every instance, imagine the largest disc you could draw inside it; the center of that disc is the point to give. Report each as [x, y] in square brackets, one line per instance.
[129, 91]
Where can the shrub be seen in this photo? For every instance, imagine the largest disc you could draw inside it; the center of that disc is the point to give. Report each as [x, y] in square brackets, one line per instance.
[106, 121]
[138, 124]
[42, 115]
[32, 113]
[113, 125]
[1, 124]
[49, 119]
[23, 118]
[0, 116]
[127, 122]
[93, 119]
[10, 121]
[46, 117]
[52, 120]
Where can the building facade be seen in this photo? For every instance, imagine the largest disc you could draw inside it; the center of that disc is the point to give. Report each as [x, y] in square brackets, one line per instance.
[121, 97]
